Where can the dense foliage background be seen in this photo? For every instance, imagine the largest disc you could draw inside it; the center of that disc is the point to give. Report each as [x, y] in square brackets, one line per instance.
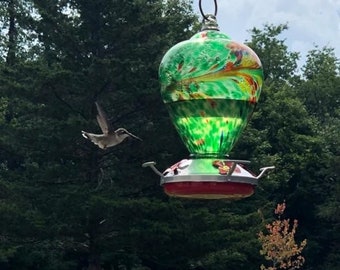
[65, 204]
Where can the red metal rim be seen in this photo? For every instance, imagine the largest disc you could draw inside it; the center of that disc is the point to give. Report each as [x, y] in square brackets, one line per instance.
[209, 190]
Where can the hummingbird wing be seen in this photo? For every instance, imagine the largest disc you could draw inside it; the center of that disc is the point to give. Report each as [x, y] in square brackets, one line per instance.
[103, 120]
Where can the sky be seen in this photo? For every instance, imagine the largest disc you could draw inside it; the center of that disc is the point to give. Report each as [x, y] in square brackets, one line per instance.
[310, 22]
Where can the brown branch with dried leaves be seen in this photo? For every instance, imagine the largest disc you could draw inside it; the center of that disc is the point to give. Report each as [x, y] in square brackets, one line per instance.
[279, 246]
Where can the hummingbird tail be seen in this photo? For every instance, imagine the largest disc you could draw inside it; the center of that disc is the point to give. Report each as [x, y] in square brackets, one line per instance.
[94, 138]
[85, 135]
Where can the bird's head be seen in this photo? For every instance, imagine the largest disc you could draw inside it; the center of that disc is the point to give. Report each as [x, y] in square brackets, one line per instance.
[122, 132]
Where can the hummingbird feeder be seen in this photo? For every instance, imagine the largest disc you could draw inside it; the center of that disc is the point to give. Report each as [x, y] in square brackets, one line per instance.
[210, 85]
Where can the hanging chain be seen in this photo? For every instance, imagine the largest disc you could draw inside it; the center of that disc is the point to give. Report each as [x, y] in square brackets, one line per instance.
[201, 10]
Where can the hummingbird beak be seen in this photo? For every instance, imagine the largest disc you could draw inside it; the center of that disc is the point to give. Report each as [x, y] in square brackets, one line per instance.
[134, 136]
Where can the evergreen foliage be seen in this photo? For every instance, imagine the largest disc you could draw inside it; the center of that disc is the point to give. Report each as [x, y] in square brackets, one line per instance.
[65, 204]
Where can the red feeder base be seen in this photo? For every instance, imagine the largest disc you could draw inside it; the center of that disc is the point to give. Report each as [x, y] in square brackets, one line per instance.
[208, 178]
[209, 190]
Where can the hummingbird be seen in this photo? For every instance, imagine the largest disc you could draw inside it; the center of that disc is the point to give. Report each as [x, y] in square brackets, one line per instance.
[109, 137]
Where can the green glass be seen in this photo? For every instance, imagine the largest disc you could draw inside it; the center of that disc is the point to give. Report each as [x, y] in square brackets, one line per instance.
[210, 85]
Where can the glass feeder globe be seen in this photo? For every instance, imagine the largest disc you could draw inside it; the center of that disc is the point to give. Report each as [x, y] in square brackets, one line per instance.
[210, 86]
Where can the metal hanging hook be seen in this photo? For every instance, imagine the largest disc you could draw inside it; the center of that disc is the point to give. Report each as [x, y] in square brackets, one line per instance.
[201, 10]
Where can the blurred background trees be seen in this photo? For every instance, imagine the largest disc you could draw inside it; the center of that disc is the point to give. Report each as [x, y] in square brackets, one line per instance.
[64, 204]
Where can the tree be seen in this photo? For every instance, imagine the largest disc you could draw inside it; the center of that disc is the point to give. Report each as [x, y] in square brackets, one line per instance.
[278, 63]
[65, 204]
[80, 206]
[286, 131]
[320, 88]
[279, 246]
